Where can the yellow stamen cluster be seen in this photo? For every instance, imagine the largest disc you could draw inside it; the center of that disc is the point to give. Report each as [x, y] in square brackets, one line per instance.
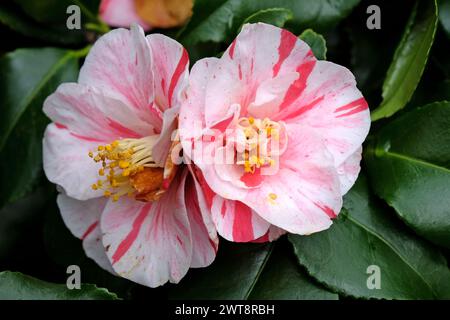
[120, 160]
[258, 134]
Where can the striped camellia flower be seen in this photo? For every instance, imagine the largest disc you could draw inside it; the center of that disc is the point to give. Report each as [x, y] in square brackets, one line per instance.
[275, 134]
[139, 215]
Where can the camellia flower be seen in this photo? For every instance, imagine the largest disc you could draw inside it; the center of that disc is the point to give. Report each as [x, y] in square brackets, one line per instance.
[139, 215]
[289, 126]
[148, 13]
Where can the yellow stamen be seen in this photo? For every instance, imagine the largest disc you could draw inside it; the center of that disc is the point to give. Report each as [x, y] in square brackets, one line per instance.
[123, 164]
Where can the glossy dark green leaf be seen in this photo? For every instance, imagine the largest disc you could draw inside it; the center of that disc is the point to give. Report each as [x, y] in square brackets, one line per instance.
[444, 15]
[17, 286]
[366, 235]
[409, 166]
[21, 218]
[24, 25]
[282, 279]
[28, 77]
[249, 271]
[409, 59]
[55, 11]
[275, 16]
[68, 250]
[316, 42]
[219, 20]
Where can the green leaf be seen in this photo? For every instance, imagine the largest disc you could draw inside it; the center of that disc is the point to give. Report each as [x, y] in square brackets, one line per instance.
[409, 163]
[249, 271]
[366, 235]
[28, 77]
[409, 59]
[444, 15]
[21, 218]
[17, 286]
[54, 11]
[217, 21]
[68, 250]
[316, 42]
[275, 16]
[282, 279]
[22, 24]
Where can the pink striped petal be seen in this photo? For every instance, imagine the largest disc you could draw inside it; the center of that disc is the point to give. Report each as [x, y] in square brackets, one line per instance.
[348, 171]
[120, 64]
[271, 235]
[149, 242]
[260, 52]
[120, 13]
[204, 237]
[92, 115]
[66, 162]
[306, 187]
[333, 107]
[82, 218]
[171, 69]
[237, 222]
[191, 114]
[161, 149]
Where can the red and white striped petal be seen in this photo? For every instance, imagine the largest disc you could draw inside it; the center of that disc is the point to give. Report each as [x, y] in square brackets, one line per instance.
[204, 237]
[333, 107]
[149, 242]
[82, 218]
[348, 171]
[120, 13]
[67, 164]
[260, 52]
[271, 235]
[167, 136]
[120, 64]
[90, 114]
[237, 222]
[170, 69]
[301, 197]
[191, 113]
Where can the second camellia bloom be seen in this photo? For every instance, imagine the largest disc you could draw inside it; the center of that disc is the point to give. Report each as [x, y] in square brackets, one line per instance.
[276, 135]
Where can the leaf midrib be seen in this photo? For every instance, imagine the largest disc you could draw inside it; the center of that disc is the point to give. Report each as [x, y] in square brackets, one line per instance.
[378, 236]
[410, 159]
[258, 274]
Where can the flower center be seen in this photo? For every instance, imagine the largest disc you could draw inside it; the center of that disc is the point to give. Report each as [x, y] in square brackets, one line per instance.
[259, 144]
[129, 169]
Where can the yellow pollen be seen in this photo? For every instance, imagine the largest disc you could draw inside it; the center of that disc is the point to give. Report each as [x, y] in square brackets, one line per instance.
[123, 164]
[272, 196]
[91, 154]
[259, 134]
[120, 161]
[253, 160]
